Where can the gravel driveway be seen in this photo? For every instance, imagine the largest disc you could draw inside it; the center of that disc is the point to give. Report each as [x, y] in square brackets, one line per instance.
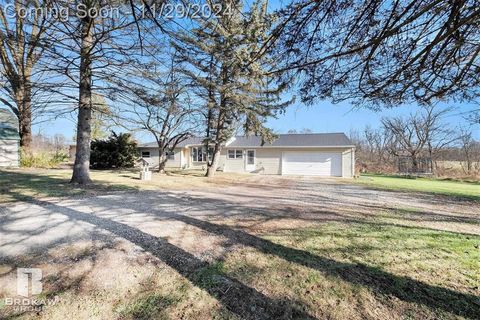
[189, 229]
[256, 206]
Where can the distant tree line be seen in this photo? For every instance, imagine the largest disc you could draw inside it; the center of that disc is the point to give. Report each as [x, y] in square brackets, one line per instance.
[229, 71]
[420, 135]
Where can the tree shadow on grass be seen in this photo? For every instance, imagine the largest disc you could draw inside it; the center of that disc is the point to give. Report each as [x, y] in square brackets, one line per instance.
[238, 298]
[379, 281]
[404, 288]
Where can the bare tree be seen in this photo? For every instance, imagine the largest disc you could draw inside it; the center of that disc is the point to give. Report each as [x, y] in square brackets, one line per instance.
[306, 130]
[467, 144]
[23, 40]
[381, 52]
[378, 142]
[158, 103]
[419, 134]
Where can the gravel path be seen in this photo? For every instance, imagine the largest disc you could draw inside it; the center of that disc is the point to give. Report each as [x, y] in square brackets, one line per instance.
[259, 205]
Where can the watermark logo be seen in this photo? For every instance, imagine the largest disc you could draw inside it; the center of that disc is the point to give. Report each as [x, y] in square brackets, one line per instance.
[165, 10]
[29, 281]
[29, 284]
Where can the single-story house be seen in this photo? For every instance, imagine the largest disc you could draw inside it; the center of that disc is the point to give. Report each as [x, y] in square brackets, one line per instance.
[316, 154]
[9, 140]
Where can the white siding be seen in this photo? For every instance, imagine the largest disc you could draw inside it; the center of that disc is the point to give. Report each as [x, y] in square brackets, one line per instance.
[348, 163]
[223, 159]
[9, 153]
[234, 165]
[269, 160]
[154, 153]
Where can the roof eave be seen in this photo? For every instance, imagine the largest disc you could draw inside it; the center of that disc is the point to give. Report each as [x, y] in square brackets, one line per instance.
[303, 147]
[259, 147]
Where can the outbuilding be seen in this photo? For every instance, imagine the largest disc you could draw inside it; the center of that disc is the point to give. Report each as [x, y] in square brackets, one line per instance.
[9, 140]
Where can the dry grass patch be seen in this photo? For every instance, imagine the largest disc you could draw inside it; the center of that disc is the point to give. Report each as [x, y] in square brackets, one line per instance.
[25, 184]
[109, 280]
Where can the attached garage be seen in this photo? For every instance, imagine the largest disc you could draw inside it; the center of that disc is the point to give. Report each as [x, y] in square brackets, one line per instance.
[313, 154]
[313, 163]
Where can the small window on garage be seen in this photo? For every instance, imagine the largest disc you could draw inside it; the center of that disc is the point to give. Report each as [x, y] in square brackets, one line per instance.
[231, 154]
[170, 155]
[145, 154]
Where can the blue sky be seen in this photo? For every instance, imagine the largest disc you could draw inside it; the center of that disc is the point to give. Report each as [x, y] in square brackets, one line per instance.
[321, 117]
[328, 117]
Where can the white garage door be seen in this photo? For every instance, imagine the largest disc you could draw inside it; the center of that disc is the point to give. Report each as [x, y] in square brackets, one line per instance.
[312, 163]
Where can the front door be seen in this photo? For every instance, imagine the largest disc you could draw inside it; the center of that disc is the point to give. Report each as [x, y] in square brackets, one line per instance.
[250, 161]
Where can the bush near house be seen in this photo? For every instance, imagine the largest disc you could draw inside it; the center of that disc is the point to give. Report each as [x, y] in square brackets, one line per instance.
[45, 152]
[44, 159]
[117, 151]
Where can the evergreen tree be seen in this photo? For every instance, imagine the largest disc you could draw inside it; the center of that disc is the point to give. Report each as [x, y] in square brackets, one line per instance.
[235, 88]
[118, 151]
[100, 117]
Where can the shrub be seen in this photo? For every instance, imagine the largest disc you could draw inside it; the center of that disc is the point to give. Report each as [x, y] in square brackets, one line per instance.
[117, 151]
[42, 159]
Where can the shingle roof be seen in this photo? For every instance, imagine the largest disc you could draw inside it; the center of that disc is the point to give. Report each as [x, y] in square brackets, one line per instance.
[187, 142]
[283, 140]
[8, 126]
[296, 140]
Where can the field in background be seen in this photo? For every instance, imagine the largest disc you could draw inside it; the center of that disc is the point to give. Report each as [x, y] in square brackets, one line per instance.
[458, 170]
[469, 190]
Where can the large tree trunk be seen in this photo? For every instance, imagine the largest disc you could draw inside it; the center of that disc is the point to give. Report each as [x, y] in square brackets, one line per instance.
[414, 164]
[81, 168]
[162, 159]
[24, 103]
[212, 168]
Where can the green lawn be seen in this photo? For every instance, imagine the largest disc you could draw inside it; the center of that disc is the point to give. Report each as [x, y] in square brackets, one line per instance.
[469, 190]
[419, 273]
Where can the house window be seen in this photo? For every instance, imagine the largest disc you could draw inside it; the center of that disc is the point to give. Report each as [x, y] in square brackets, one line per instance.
[170, 155]
[199, 154]
[194, 154]
[235, 154]
[250, 157]
[145, 154]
